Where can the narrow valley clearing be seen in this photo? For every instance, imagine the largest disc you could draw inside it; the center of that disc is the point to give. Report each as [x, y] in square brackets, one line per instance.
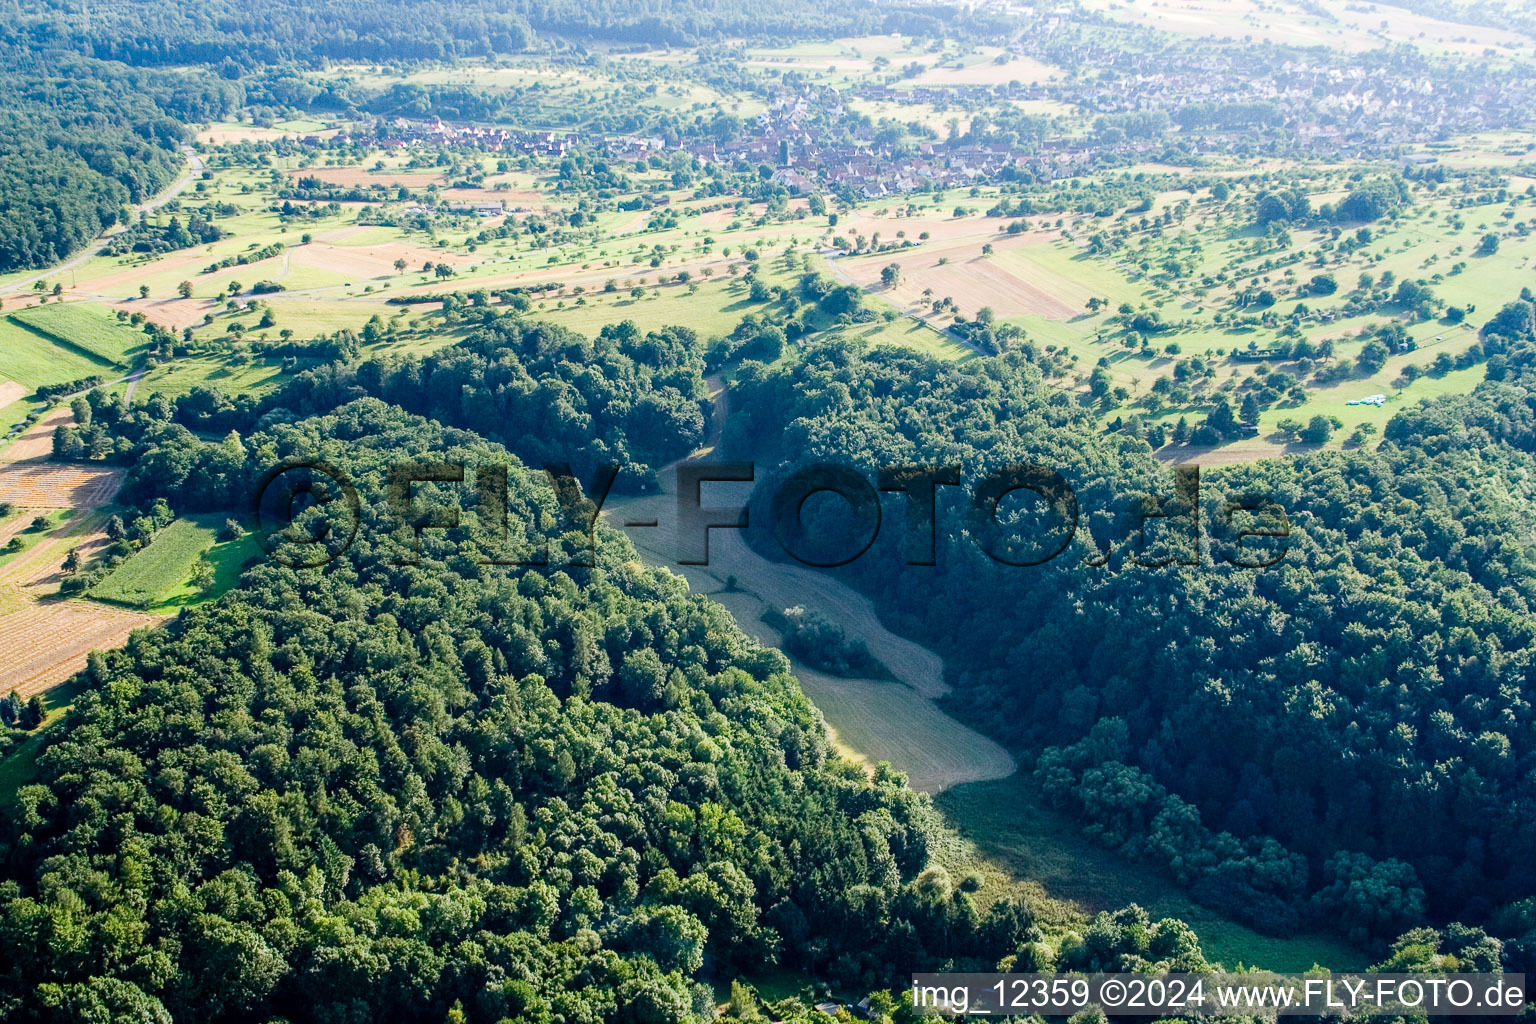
[871, 720]
[1006, 826]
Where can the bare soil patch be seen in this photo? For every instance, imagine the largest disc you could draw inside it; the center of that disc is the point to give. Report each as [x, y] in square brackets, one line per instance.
[969, 278]
[1226, 455]
[46, 643]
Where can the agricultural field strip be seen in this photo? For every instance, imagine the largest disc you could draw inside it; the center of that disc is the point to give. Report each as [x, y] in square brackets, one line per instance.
[158, 567]
[37, 443]
[77, 527]
[43, 486]
[46, 643]
[88, 542]
[75, 326]
[21, 521]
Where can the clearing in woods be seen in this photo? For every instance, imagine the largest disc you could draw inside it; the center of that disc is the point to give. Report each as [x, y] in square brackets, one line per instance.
[1004, 833]
[164, 563]
[870, 720]
[1018, 835]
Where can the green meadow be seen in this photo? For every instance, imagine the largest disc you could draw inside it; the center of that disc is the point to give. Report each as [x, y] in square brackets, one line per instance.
[148, 578]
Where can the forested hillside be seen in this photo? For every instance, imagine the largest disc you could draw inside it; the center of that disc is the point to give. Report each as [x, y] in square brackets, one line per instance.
[624, 398]
[1343, 737]
[82, 140]
[457, 762]
[241, 36]
[370, 791]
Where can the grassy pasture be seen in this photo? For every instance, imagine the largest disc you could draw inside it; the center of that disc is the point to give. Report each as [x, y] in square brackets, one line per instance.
[229, 559]
[12, 416]
[33, 360]
[19, 767]
[179, 377]
[85, 327]
[1017, 834]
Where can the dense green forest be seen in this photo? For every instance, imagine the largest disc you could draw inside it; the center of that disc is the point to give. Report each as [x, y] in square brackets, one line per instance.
[1377, 676]
[413, 783]
[240, 36]
[82, 140]
[434, 779]
[410, 780]
[624, 398]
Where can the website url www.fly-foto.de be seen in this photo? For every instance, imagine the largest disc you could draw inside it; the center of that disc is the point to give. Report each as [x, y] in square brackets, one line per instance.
[1264, 994]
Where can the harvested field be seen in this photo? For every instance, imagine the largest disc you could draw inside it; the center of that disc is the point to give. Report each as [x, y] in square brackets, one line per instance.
[46, 643]
[29, 480]
[10, 392]
[37, 443]
[372, 260]
[221, 134]
[38, 561]
[172, 313]
[972, 280]
[45, 485]
[514, 197]
[711, 219]
[17, 523]
[188, 263]
[41, 570]
[869, 720]
[1018, 69]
